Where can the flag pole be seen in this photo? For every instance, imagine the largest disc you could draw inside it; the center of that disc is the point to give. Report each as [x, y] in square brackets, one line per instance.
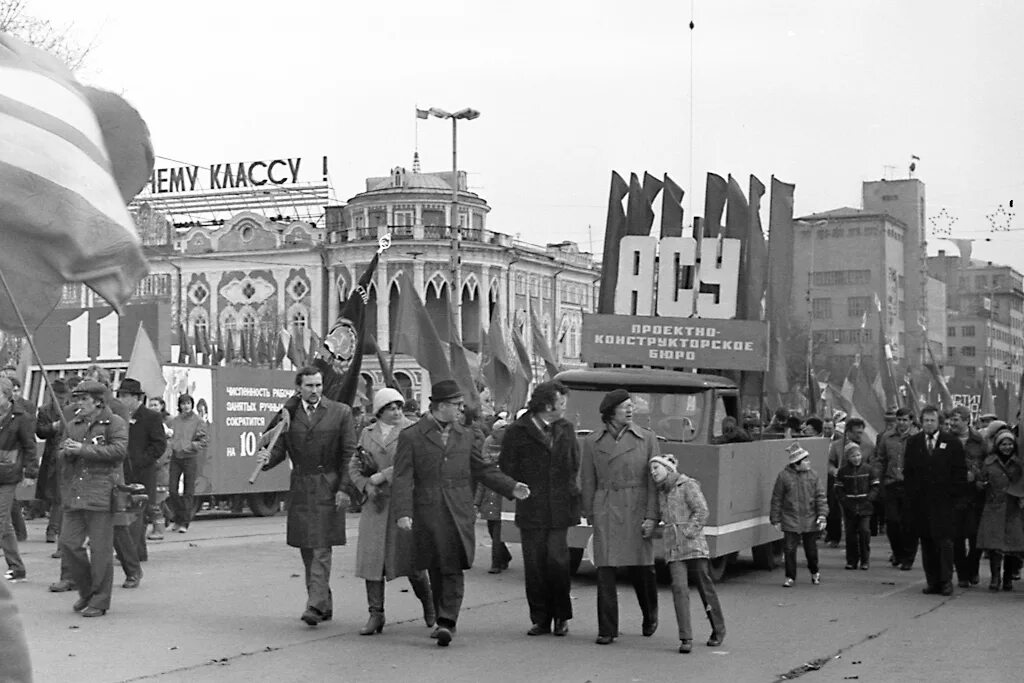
[32, 345]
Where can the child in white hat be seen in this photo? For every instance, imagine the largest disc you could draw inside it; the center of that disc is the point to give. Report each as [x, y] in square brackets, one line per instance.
[684, 511]
[799, 510]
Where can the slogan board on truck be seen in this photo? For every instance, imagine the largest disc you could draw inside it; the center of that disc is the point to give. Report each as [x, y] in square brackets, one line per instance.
[237, 403]
[675, 342]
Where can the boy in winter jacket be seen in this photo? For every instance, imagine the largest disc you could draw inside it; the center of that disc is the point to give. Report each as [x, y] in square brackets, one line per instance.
[684, 511]
[856, 489]
[799, 510]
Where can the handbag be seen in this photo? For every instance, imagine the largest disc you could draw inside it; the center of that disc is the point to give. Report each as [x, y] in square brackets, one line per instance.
[128, 497]
[366, 464]
[10, 465]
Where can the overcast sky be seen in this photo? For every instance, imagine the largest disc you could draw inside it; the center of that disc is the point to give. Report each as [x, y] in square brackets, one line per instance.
[820, 94]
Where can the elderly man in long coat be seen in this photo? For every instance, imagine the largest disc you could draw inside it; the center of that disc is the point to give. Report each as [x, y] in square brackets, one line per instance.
[620, 499]
[436, 466]
[935, 477]
[320, 440]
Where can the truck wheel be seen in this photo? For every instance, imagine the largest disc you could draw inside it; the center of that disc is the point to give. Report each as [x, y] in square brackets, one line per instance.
[575, 558]
[718, 565]
[767, 555]
[263, 504]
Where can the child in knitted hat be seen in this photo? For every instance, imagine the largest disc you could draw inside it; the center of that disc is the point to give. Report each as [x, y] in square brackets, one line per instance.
[856, 488]
[684, 511]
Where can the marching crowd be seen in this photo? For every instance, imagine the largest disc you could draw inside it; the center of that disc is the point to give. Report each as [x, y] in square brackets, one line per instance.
[97, 444]
[930, 480]
[936, 480]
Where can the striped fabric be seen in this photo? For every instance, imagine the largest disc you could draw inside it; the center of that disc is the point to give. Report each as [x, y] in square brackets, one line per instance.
[62, 209]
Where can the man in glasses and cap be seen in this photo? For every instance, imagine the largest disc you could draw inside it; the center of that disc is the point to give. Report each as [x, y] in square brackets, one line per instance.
[436, 466]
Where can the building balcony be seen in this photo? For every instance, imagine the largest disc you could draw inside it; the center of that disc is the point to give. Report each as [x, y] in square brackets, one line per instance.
[426, 232]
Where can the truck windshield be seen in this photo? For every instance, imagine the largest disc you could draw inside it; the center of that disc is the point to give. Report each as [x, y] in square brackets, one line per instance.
[673, 417]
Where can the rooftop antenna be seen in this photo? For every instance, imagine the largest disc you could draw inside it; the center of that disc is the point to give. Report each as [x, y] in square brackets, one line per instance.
[913, 165]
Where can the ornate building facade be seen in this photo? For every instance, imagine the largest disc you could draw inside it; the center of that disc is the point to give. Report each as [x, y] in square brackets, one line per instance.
[264, 273]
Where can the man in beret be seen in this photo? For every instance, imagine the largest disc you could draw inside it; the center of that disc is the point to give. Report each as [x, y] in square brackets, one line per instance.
[620, 499]
[436, 467]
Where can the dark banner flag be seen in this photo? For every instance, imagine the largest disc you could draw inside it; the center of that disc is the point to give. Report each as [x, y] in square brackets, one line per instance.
[541, 348]
[714, 204]
[780, 281]
[754, 273]
[418, 337]
[346, 341]
[614, 229]
[498, 369]
[640, 215]
[671, 209]
[461, 373]
[524, 373]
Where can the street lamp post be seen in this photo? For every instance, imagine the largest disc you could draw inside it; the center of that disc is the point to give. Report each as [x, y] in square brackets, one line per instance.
[466, 114]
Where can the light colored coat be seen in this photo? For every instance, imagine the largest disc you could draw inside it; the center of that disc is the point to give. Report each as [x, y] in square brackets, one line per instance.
[684, 511]
[383, 550]
[618, 494]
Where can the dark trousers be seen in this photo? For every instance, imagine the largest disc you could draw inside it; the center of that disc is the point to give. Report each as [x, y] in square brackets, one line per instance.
[56, 512]
[791, 540]
[546, 564]
[834, 519]
[92, 571]
[183, 504]
[902, 539]
[966, 556]
[858, 537]
[126, 550]
[700, 571]
[448, 590]
[937, 560]
[644, 585]
[18, 520]
[500, 556]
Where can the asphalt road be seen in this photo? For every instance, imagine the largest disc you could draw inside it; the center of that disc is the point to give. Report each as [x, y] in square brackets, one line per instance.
[222, 602]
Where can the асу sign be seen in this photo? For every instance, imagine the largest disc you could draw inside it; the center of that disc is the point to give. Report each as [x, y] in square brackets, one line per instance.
[675, 342]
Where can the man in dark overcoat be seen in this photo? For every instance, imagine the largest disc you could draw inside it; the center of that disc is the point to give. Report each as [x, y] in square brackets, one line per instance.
[48, 427]
[540, 450]
[320, 440]
[146, 444]
[437, 464]
[934, 478]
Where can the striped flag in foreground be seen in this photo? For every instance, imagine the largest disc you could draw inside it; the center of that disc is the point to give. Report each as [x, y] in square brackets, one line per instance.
[70, 159]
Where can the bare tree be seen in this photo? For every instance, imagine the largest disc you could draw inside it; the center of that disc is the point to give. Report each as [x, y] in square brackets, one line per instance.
[42, 33]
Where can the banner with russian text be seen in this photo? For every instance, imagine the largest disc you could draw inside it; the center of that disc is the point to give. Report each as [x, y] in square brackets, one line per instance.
[675, 342]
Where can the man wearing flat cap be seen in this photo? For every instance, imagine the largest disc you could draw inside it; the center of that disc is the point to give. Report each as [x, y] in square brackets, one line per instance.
[146, 444]
[437, 465]
[91, 458]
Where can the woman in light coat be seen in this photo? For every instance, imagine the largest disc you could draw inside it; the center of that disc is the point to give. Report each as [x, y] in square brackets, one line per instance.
[621, 503]
[1001, 531]
[383, 552]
